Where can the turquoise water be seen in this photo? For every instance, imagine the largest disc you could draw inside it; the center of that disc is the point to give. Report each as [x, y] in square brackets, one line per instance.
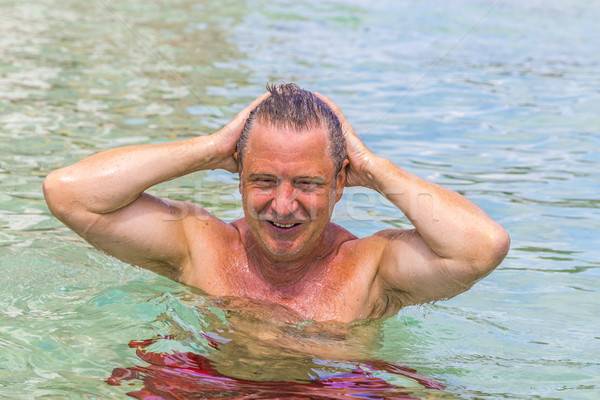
[497, 100]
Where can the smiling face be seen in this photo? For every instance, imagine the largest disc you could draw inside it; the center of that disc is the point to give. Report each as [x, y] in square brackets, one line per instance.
[289, 189]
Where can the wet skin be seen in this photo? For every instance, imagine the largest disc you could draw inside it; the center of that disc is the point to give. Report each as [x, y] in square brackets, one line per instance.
[289, 188]
[286, 250]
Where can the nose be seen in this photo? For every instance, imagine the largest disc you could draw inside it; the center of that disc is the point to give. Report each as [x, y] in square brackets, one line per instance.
[284, 199]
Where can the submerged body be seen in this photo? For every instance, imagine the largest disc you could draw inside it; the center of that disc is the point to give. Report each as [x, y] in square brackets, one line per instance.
[185, 375]
[293, 162]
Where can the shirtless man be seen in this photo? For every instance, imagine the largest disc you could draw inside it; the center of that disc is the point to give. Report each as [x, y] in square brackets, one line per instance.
[293, 162]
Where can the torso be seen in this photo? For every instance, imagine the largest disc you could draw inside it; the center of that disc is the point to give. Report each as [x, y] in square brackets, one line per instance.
[341, 287]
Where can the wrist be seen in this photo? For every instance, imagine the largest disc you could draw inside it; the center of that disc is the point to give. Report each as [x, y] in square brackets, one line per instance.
[219, 151]
[196, 154]
[374, 171]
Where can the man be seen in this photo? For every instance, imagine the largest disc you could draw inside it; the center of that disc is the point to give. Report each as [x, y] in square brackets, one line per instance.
[293, 163]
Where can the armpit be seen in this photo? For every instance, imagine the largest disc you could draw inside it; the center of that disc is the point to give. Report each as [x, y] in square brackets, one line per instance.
[388, 304]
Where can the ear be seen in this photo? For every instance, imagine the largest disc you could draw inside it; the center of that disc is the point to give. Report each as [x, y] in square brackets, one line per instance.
[340, 181]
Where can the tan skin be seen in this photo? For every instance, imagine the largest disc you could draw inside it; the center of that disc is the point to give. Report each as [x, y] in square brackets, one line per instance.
[286, 250]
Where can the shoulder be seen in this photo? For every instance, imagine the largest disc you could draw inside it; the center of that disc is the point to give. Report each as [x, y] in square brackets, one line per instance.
[375, 243]
[366, 251]
[365, 256]
[199, 222]
[210, 240]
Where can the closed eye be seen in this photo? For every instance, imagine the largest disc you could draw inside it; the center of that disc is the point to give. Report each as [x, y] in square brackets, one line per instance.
[307, 185]
[264, 181]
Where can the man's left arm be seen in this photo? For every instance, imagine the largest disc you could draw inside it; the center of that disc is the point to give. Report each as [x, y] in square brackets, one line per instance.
[454, 243]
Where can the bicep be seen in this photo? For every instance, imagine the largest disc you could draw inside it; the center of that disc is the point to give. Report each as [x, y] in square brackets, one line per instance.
[417, 273]
[149, 232]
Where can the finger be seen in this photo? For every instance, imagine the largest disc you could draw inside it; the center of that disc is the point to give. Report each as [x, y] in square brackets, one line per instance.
[346, 127]
[334, 107]
[246, 111]
[257, 101]
[240, 119]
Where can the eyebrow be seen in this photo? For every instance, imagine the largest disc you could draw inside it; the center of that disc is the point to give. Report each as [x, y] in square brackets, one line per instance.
[261, 175]
[314, 178]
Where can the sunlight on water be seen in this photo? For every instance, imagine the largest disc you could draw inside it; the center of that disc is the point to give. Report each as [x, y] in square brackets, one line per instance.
[496, 100]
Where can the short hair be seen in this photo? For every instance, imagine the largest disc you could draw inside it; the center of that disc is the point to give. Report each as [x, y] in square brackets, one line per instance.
[294, 108]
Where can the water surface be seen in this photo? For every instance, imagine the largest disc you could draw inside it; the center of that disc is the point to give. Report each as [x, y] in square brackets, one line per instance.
[497, 100]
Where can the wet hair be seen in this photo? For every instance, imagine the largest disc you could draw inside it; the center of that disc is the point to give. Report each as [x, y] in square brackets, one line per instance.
[296, 109]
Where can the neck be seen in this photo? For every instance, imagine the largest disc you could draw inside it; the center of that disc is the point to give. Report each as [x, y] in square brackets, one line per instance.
[288, 273]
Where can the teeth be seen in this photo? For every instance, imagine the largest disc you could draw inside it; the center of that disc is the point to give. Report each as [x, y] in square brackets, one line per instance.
[283, 225]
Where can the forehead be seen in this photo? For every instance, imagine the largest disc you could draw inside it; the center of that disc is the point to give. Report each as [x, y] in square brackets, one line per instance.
[269, 144]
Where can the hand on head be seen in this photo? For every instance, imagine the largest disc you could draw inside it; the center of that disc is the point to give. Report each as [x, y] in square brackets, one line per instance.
[226, 138]
[359, 155]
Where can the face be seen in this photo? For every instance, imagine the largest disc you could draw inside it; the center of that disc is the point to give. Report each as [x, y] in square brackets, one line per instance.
[289, 189]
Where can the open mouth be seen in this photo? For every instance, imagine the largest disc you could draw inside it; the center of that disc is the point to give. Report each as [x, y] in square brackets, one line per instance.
[283, 227]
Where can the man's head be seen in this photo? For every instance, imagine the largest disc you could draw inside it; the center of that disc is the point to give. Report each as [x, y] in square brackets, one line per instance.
[297, 110]
[292, 156]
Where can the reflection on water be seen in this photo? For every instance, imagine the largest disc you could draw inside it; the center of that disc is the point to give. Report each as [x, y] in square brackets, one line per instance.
[500, 106]
[190, 375]
[247, 349]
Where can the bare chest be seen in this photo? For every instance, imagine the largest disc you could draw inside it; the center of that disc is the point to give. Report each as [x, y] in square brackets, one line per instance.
[340, 290]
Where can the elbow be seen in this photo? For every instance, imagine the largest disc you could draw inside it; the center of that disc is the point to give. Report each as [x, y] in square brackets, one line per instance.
[55, 189]
[494, 250]
[500, 244]
[49, 189]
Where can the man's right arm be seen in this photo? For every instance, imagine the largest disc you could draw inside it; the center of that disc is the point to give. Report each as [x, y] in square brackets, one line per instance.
[102, 197]
[454, 243]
